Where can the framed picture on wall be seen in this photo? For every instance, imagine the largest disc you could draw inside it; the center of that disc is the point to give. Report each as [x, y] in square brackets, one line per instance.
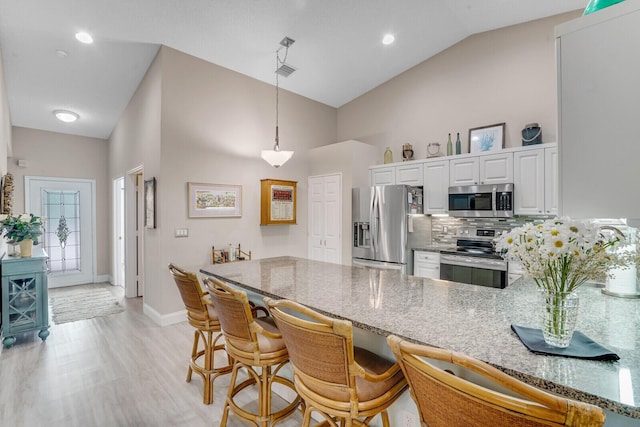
[150, 203]
[486, 138]
[214, 200]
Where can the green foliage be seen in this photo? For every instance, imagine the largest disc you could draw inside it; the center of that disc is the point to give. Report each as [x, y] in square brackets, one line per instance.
[21, 227]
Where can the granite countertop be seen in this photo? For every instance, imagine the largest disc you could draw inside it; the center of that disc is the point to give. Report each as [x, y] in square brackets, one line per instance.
[471, 319]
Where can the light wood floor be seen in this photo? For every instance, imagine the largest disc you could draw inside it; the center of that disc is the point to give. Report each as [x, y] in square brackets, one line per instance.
[117, 370]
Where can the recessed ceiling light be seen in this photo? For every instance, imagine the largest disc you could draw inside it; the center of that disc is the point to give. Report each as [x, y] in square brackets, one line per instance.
[84, 37]
[66, 116]
[62, 53]
[388, 39]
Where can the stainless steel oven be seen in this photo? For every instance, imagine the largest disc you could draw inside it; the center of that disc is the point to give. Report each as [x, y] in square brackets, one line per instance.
[474, 260]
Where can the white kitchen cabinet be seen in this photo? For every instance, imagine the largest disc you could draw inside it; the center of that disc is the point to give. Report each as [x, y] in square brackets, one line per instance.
[528, 182]
[383, 176]
[410, 174]
[535, 181]
[598, 103]
[325, 218]
[551, 181]
[484, 169]
[426, 264]
[496, 168]
[465, 171]
[436, 187]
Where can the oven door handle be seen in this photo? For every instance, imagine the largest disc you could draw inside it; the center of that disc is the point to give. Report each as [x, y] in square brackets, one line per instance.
[473, 262]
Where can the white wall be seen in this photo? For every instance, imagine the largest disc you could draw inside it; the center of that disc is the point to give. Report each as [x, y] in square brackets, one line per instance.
[211, 124]
[134, 142]
[5, 121]
[506, 75]
[57, 155]
[5, 131]
[346, 158]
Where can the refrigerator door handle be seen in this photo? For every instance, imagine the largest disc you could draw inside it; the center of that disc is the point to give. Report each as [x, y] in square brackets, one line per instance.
[375, 218]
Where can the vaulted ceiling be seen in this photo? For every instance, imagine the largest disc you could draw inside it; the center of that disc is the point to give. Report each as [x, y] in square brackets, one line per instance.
[338, 54]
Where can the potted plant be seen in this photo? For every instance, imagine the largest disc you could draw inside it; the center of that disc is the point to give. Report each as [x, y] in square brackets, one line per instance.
[23, 229]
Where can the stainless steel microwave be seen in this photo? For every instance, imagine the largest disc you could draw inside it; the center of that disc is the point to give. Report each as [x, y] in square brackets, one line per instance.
[481, 201]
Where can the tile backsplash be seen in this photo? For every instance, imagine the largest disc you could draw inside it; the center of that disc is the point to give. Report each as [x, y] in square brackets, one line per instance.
[443, 229]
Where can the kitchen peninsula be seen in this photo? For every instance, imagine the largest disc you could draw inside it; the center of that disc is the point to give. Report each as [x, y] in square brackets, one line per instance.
[471, 319]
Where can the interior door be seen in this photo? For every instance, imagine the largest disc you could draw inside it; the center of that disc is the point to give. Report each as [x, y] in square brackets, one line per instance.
[69, 208]
[325, 218]
[333, 218]
[119, 232]
[316, 218]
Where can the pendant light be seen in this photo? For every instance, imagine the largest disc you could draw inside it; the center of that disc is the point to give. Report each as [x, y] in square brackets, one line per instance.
[277, 157]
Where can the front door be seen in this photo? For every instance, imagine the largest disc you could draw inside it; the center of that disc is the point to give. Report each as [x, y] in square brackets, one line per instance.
[69, 208]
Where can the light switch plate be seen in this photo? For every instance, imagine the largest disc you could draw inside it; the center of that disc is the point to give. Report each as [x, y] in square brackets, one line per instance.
[182, 232]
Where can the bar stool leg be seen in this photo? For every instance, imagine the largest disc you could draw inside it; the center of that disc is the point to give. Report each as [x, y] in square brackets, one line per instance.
[194, 353]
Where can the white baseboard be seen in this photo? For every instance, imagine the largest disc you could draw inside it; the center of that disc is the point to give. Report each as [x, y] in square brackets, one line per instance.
[164, 319]
[103, 278]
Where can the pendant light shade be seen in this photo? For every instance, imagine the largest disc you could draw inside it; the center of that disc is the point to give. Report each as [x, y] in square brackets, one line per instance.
[276, 157]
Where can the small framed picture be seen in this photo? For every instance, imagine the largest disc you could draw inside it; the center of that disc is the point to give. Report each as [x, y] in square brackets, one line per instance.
[214, 200]
[150, 203]
[486, 138]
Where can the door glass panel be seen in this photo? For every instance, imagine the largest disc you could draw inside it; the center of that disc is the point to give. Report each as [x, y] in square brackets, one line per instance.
[62, 235]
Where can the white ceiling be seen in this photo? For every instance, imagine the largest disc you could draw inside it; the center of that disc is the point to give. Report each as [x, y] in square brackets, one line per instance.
[338, 52]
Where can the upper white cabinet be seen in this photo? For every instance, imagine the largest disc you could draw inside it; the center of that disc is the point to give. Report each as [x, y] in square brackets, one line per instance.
[410, 174]
[465, 171]
[535, 181]
[496, 168]
[436, 186]
[528, 183]
[599, 100]
[485, 169]
[383, 176]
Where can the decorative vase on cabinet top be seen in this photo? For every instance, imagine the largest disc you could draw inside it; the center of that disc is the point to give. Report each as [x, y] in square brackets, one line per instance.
[388, 156]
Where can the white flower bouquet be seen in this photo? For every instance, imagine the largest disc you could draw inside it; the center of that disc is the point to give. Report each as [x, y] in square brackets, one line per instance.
[561, 254]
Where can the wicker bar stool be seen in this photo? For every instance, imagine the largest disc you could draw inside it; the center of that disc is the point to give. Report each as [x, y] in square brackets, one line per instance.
[445, 399]
[347, 385]
[253, 343]
[203, 317]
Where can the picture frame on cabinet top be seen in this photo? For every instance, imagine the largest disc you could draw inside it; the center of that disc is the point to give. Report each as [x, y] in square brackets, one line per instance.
[486, 138]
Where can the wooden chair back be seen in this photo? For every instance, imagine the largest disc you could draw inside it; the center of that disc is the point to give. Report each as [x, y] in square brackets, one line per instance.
[320, 348]
[234, 312]
[445, 400]
[190, 289]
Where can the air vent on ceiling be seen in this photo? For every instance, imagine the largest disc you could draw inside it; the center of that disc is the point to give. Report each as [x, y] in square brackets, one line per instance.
[285, 70]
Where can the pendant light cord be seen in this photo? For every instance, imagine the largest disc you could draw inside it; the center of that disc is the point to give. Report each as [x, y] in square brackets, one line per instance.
[276, 147]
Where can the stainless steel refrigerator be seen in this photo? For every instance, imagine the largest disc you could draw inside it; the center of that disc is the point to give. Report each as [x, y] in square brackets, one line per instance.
[387, 224]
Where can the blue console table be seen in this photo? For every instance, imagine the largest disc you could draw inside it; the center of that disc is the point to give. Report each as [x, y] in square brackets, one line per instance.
[25, 300]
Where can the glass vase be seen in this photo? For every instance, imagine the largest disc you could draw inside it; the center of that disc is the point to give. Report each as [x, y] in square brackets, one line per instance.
[559, 315]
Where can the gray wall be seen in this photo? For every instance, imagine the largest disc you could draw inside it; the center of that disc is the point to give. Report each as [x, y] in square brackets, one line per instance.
[57, 155]
[208, 124]
[506, 75]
